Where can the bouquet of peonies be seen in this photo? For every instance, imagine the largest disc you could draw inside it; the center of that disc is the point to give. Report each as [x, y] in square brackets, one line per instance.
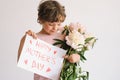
[77, 40]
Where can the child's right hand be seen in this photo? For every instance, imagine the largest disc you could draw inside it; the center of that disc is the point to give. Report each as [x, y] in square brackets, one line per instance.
[73, 58]
[31, 33]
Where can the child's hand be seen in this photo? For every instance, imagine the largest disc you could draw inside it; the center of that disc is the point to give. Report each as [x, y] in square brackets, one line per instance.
[73, 58]
[31, 33]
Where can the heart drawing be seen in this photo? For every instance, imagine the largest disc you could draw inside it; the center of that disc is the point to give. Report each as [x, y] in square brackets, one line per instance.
[48, 69]
[26, 61]
[55, 52]
[30, 41]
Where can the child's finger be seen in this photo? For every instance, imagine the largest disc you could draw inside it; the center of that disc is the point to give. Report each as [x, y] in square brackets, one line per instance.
[29, 32]
[65, 56]
[34, 35]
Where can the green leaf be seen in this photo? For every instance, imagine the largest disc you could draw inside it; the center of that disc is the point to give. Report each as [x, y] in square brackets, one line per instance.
[87, 75]
[58, 41]
[65, 46]
[82, 57]
[66, 30]
[63, 31]
[88, 39]
[94, 43]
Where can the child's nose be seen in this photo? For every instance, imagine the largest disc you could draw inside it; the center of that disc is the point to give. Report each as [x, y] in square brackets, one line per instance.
[55, 28]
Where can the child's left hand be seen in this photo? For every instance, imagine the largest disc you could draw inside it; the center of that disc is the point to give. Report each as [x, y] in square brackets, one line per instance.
[31, 33]
[73, 58]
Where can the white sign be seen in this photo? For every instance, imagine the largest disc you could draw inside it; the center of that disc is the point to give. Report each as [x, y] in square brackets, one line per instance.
[42, 58]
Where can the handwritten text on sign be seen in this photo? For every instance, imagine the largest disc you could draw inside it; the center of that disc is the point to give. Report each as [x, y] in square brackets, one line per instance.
[41, 58]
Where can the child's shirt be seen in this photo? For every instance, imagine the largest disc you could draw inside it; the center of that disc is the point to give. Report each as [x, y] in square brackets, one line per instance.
[38, 77]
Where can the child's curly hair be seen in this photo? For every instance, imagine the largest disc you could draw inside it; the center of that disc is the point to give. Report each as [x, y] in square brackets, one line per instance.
[51, 11]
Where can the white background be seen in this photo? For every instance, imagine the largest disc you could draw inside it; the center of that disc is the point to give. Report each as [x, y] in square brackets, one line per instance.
[101, 17]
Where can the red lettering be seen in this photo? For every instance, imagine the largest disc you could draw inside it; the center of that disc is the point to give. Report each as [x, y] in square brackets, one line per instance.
[40, 56]
[33, 52]
[37, 65]
[30, 41]
[53, 60]
[43, 46]
[29, 50]
[48, 59]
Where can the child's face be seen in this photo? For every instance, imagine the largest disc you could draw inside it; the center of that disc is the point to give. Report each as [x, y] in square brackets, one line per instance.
[51, 27]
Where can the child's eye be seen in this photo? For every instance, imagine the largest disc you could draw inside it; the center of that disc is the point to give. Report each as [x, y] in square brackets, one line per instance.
[50, 24]
[59, 24]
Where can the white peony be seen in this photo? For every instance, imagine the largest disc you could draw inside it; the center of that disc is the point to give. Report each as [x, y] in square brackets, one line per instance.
[75, 40]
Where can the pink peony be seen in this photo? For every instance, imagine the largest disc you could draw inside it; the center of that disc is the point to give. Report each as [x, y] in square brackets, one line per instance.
[76, 26]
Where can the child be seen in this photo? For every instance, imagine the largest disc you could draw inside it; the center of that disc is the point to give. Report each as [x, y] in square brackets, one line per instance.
[50, 15]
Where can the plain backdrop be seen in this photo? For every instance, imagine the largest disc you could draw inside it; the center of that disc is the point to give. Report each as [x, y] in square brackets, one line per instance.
[101, 17]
